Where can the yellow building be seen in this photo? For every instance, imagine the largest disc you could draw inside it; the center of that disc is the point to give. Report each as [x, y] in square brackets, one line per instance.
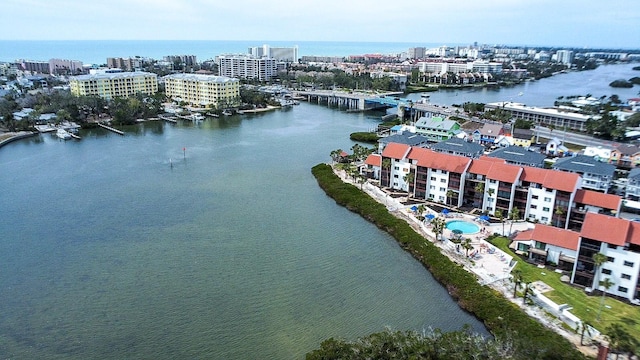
[109, 85]
[206, 91]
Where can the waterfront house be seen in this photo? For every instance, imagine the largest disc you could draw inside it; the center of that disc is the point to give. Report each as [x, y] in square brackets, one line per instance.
[487, 134]
[436, 128]
[625, 156]
[522, 137]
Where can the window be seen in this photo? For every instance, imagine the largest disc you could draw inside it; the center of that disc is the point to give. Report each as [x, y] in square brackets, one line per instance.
[611, 246]
[547, 199]
[534, 206]
[443, 180]
[396, 168]
[544, 219]
[432, 187]
[395, 176]
[622, 289]
[534, 197]
[610, 259]
[443, 189]
[626, 276]
[545, 209]
[433, 178]
[606, 271]
[628, 263]
[492, 181]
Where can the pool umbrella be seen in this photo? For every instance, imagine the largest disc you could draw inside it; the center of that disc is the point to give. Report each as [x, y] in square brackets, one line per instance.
[414, 208]
[445, 211]
[430, 217]
[484, 218]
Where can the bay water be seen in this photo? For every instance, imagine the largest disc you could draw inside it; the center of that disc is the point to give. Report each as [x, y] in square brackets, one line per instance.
[131, 247]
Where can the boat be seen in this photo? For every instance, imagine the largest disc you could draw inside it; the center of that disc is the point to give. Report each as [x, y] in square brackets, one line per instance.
[227, 113]
[520, 93]
[63, 134]
[425, 96]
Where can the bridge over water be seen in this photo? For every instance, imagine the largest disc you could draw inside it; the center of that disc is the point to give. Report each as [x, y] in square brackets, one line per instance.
[357, 101]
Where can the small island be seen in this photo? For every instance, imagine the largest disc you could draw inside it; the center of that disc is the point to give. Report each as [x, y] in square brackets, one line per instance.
[621, 83]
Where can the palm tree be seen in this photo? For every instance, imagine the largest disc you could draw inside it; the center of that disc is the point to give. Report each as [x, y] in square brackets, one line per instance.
[513, 215]
[450, 194]
[583, 328]
[335, 154]
[606, 283]
[466, 245]
[437, 226]
[479, 188]
[409, 178]
[386, 165]
[598, 260]
[517, 280]
[559, 212]
[527, 290]
[421, 209]
[500, 216]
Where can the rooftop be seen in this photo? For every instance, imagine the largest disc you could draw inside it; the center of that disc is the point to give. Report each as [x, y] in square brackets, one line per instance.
[519, 155]
[585, 165]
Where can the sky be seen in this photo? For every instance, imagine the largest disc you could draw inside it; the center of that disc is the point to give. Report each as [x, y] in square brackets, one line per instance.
[569, 23]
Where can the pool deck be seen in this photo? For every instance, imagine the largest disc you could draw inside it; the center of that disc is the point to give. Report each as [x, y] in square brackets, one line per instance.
[487, 262]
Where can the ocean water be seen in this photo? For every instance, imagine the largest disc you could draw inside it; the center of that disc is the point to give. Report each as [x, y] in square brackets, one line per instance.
[97, 52]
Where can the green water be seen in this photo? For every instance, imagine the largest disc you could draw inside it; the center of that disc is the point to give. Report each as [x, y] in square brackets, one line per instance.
[129, 248]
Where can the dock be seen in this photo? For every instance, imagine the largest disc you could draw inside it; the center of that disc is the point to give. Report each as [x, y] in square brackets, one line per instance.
[168, 118]
[111, 129]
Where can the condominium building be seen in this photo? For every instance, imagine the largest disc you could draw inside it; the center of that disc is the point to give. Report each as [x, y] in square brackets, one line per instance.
[247, 67]
[115, 84]
[564, 56]
[207, 91]
[127, 64]
[543, 116]
[62, 66]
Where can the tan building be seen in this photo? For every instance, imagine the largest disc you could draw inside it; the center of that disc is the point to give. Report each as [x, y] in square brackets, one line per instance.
[203, 90]
[109, 85]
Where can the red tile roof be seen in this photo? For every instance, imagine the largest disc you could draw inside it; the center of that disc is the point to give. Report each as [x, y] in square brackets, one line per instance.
[504, 172]
[440, 161]
[480, 166]
[551, 179]
[561, 180]
[634, 233]
[605, 201]
[606, 229]
[556, 236]
[374, 160]
[396, 151]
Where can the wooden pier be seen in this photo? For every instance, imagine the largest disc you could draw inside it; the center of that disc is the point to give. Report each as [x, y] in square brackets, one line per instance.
[111, 129]
[169, 119]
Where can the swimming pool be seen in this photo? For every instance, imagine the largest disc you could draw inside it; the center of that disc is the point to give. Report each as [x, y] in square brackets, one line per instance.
[466, 227]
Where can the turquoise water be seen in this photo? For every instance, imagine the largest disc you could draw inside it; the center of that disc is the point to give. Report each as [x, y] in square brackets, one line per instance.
[465, 226]
[233, 253]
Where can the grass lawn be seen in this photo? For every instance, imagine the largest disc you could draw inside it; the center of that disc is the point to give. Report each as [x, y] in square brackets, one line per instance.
[584, 306]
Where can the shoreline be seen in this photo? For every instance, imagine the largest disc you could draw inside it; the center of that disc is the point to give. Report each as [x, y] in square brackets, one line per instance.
[492, 305]
[14, 136]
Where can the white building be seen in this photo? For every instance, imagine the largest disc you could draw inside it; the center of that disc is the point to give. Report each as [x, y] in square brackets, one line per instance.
[247, 67]
[203, 90]
[564, 57]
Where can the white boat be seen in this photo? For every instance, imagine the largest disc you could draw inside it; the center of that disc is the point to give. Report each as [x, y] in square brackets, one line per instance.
[227, 113]
[63, 134]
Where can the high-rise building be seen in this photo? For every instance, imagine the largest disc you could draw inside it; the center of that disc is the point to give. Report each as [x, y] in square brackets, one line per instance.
[206, 91]
[247, 67]
[285, 54]
[565, 56]
[109, 85]
[416, 52]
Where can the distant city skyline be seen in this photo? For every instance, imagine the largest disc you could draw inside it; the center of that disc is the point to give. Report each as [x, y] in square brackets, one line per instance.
[572, 23]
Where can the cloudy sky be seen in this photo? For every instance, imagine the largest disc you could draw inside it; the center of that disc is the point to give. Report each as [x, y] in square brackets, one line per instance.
[579, 23]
